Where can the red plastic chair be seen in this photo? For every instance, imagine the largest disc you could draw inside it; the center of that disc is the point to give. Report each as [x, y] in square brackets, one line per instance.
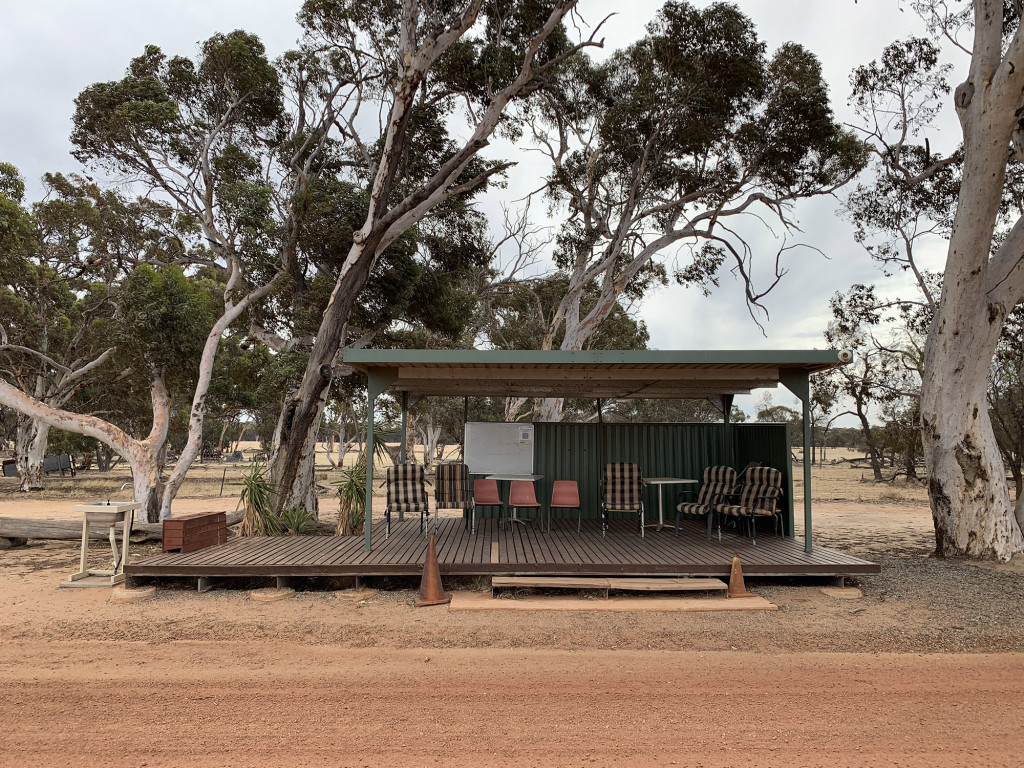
[485, 494]
[565, 494]
[522, 496]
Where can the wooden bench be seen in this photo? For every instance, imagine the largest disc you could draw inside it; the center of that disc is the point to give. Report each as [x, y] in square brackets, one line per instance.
[188, 533]
[605, 583]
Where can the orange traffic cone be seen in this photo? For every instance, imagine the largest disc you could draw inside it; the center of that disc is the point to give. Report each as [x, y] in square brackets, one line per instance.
[431, 590]
[736, 586]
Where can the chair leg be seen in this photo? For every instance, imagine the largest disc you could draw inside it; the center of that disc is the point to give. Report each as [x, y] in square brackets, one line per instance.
[711, 512]
[387, 522]
[676, 531]
[579, 521]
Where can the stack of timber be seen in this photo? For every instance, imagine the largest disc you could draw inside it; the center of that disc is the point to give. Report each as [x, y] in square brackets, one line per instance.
[199, 530]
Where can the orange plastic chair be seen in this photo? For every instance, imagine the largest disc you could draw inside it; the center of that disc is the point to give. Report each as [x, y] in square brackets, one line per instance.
[521, 496]
[485, 494]
[565, 494]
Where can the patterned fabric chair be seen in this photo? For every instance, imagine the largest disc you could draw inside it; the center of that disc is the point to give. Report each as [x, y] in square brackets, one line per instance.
[622, 486]
[452, 491]
[757, 496]
[406, 493]
[716, 484]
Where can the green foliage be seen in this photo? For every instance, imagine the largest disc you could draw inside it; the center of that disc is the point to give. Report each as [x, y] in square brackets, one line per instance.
[164, 318]
[520, 317]
[351, 490]
[256, 498]
[164, 105]
[296, 521]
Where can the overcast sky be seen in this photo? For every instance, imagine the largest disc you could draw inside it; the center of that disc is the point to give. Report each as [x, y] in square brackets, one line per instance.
[51, 49]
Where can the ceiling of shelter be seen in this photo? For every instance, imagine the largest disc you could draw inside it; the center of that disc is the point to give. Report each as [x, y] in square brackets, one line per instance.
[473, 374]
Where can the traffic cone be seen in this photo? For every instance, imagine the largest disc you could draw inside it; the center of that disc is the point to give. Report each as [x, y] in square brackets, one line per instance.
[736, 586]
[431, 590]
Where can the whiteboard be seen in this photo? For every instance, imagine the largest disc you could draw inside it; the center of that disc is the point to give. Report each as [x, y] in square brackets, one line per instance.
[494, 447]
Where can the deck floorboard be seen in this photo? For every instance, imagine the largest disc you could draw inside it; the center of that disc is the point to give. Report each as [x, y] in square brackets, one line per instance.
[522, 550]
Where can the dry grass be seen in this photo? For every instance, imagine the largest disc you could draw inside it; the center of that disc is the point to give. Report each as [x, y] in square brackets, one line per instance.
[831, 482]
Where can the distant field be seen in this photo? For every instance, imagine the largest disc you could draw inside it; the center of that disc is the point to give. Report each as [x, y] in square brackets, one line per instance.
[835, 480]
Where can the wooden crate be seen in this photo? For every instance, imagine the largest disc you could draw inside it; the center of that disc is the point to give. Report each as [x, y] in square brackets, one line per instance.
[188, 533]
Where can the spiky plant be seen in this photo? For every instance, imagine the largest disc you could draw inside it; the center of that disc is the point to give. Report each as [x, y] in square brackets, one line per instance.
[352, 498]
[257, 494]
[296, 521]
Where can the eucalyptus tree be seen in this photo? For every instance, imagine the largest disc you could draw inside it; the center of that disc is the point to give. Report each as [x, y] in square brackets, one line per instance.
[56, 301]
[668, 144]
[518, 314]
[1006, 400]
[467, 60]
[983, 277]
[910, 195]
[870, 379]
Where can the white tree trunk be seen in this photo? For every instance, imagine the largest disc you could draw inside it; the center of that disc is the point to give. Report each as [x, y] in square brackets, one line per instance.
[551, 409]
[22, 440]
[140, 454]
[430, 436]
[967, 487]
[194, 443]
[38, 435]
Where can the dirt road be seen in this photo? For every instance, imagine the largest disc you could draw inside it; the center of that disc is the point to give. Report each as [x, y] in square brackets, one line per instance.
[221, 704]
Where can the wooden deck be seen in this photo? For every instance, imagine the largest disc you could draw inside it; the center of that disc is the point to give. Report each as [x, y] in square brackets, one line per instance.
[524, 550]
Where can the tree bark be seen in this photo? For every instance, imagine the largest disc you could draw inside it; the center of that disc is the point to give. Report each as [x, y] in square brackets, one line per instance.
[40, 433]
[872, 449]
[967, 487]
[194, 443]
[417, 52]
[141, 455]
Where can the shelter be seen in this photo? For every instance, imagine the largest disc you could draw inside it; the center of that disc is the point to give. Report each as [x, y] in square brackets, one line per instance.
[678, 374]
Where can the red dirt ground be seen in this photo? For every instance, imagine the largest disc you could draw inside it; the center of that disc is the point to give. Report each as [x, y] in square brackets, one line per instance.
[220, 704]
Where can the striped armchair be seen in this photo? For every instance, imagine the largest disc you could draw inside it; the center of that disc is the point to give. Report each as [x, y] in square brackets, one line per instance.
[757, 496]
[406, 493]
[622, 486]
[452, 490]
[716, 484]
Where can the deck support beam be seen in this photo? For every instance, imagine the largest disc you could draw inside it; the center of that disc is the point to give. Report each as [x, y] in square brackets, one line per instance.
[799, 383]
[377, 380]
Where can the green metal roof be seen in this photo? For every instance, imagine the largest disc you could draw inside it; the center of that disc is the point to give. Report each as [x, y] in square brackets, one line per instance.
[604, 374]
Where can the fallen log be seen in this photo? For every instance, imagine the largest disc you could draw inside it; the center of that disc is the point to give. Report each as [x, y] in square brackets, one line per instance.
[28, 528]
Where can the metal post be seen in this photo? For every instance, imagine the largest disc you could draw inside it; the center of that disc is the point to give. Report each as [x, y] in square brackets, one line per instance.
[376, 382]
[730, 444]
[800, 385]
[807, 475]
[405, 419]
[371, 398]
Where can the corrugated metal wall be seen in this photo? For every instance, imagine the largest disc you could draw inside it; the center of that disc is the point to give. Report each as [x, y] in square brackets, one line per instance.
[770, 445]
[579, 451]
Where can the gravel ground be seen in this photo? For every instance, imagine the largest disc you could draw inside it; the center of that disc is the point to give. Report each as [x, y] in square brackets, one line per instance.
[916, 604]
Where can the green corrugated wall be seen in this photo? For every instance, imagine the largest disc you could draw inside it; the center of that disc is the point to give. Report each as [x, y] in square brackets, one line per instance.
[578, 451]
